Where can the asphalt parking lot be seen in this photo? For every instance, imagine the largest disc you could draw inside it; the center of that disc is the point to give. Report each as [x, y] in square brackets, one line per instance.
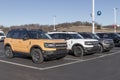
[97, 66]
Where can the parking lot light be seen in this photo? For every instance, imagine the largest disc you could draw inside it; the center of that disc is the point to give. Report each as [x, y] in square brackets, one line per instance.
[54, 18]
[115, 19]
[93, 16]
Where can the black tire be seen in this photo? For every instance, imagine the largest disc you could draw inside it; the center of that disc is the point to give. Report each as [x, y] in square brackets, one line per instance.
[37, 56]
[100, 49]
[107, 51]
[78, 51]
[8, 52]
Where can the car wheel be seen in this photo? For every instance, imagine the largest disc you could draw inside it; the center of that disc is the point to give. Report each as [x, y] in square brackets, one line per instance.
[107, 50]
[100, 49]
[8, 52]
[78, 51]
[37, 56]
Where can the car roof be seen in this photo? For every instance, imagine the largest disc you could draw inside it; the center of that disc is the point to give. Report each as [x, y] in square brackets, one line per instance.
[1, 31]
[62, 32]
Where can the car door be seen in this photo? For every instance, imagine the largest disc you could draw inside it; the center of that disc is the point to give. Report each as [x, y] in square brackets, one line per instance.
[24, 42]
[15, 41]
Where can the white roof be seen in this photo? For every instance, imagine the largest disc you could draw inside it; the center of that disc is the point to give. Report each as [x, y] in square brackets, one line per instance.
[1, 31]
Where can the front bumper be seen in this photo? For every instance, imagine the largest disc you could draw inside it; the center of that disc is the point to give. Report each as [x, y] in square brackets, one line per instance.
[108, 46]
[90, 50]
[59, 53]
[2, 39]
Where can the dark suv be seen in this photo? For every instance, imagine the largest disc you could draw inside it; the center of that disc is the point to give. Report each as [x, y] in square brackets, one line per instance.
[105, 44]
[114, 36]
[35, 43]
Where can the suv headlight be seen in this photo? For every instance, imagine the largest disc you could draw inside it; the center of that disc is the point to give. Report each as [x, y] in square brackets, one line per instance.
[49, 45]
[88, 43]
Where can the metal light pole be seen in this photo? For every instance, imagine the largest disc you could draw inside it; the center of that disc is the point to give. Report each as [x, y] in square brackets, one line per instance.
[115, 19]
[93, 16]
[54, 18]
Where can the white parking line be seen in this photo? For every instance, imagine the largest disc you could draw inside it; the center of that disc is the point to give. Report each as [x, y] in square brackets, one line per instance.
[22, 65]
[46, 68]
[102, 56]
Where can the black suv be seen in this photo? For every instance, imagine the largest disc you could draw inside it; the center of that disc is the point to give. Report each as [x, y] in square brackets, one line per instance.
[114, 36]
[105, 44]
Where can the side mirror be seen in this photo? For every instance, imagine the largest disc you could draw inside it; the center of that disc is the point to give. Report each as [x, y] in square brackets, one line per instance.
[25, 37]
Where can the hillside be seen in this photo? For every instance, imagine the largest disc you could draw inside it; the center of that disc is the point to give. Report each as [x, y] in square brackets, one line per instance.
[86, 29]
[77, 26]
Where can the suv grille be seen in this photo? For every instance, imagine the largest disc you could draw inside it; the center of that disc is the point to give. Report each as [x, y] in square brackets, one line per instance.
[111, 41]
[58, 45]
[95, 43]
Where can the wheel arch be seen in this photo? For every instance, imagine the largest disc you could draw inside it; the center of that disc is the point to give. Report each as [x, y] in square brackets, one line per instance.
[102, 46]
[77, 44]
[35, 47]
[77, 54]
[7, 45]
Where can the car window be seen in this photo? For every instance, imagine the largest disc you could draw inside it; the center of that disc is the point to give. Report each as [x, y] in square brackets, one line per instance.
[2, 34]
[85, 35]
[38, 35]
[94, 36]
[115, 35]
[9, 35]
[16, 35]
[118, 34]
[53, 36]
[101, 35]
[74, 36]
[23, 34]
[58, 36]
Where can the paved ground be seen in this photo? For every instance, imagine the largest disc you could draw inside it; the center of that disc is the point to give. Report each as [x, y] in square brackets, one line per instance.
[91, 67]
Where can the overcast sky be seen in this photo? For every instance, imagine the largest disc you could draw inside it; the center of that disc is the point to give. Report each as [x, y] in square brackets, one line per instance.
[20, 12]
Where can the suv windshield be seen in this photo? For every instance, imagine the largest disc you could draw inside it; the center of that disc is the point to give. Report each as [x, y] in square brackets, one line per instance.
[85, 35]
[2, 34]
[94, 36]
[117, 34]
[39, 35]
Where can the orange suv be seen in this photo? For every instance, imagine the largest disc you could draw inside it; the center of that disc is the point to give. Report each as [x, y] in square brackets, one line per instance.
[36, 43]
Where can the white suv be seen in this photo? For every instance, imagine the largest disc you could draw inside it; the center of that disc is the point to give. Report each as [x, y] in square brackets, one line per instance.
[76, 43]
[2, 35]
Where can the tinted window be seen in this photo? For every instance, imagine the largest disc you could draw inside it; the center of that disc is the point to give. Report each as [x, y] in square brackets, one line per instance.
[85, 35]
[100, 35]
[2, 34]
[23, 34]
[94, 36]
[104, 35]
[114, 35]
[58, 35]
[53, 36]
[16, 35]
[74, 36]
[9, 35]
[39, 35]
